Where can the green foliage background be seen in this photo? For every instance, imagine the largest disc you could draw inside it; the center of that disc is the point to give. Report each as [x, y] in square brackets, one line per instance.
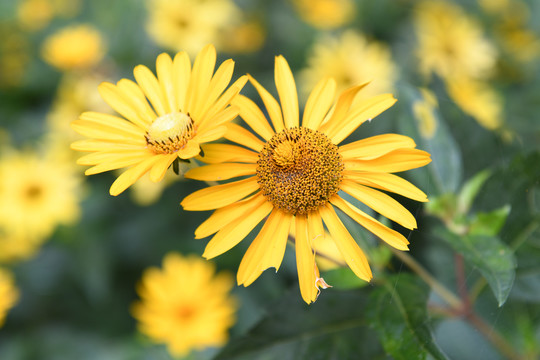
[77, 291]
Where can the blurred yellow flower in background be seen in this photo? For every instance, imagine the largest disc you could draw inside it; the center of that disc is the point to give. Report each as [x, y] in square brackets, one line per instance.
[75, 47]
[188, 25]
[325, 14]
[16, 245]
[37, 193]
[34, 15]
[9, 294]
[190, 106]
[295, 175]
[185, 305]
[14, 55]
[243, 37]
[450, 43]
[350, 59]
[478, 100]
[424, 113]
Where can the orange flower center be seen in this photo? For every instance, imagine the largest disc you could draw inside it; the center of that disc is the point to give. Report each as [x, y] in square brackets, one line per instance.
[170, 133]
[299, 169]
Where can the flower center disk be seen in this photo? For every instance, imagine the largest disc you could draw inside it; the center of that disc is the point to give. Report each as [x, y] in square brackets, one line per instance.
[169, 133]
[299, 169]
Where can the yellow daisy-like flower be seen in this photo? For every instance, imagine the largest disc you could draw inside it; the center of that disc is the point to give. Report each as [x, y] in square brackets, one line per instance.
[74, 47]
[338, 57]
[186, 305]
[189, 24]
[37, 194]
[450, 43]
[190, 106]
[8, 294]
[294, 176]
[325, 14]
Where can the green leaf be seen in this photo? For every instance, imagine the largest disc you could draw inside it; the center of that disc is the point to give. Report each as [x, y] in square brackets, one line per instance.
[493, 258]
[429, 130]
[470, 189]
[333, 327]
[489, 223]
[399, 315]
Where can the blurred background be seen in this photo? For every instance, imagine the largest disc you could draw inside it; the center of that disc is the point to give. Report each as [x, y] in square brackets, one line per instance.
[466, 75]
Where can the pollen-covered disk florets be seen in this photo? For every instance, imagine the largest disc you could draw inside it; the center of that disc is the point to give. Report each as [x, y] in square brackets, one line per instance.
[169, 133]
[299, 169]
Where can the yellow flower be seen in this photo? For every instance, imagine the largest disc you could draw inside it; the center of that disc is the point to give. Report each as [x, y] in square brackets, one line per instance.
[424, 113]
[186, 305]
[8, 294]
[189, 107]
[16, 245]
[38, 193]
[189, 24]
[74, 47]
[34, 15]
[14, 55]
[451, 43]
[295, 174]
[477, 99]
[245, 37]
[339, 58]
[325, 14]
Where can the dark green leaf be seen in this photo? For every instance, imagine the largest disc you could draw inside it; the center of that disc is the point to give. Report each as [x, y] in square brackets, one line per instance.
[398, 313]
[175, 166]
[333, 327]
[470, 189]
[493, 258]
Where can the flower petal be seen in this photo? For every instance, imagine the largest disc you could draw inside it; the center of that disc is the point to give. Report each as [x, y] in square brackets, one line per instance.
[381, 203]
[117, 162]
[236, 231]
[164, 71]
[112, 123]
[191, 149]
[225, 215]
[391, 237]
[271, 104]
[239, 135]
[395, 161]
[253, 116]
[387, 182]
[218, 84]
[305, 261]
[123, 104]
[181, 78]
[353, 255]
[128, 177]
[267, 249]
[342, 106]
[210, 134]
[137, 100]
[203, 68]
[224, 100]
[288, 95]
[220, 195]
[151, 88]
[376, 146]
[218, 153]
[319, 102]
[218, 172]
[102, 156]
[160, 168]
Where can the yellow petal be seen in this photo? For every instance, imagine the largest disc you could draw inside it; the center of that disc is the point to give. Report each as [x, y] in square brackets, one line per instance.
[114, 163]
[341, 108]
[376, 146]
[224, 100]
[164, 71]
[218, 172]
[203, 68]
[181, 78]
[353, 255]
[225, 215]
[160, 168]
[236, 231]
[218, 84]
[319, 102]
[363, 111]
[253, 116]
[151, 88]
[387, 182]
[128, 177]
[305, 261]
[218, 153]
[137, 100]
[98, 131]
[395, 161]
[102, 145]
[220, 195]
[112, 123]
[101, 156]
[219, 119]
[286, 88]
[121, 102]
[391, 237]
[271, 104]
[239, 135]
[191, 149]
[267, 249]
[381, 203]
[210, 134]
